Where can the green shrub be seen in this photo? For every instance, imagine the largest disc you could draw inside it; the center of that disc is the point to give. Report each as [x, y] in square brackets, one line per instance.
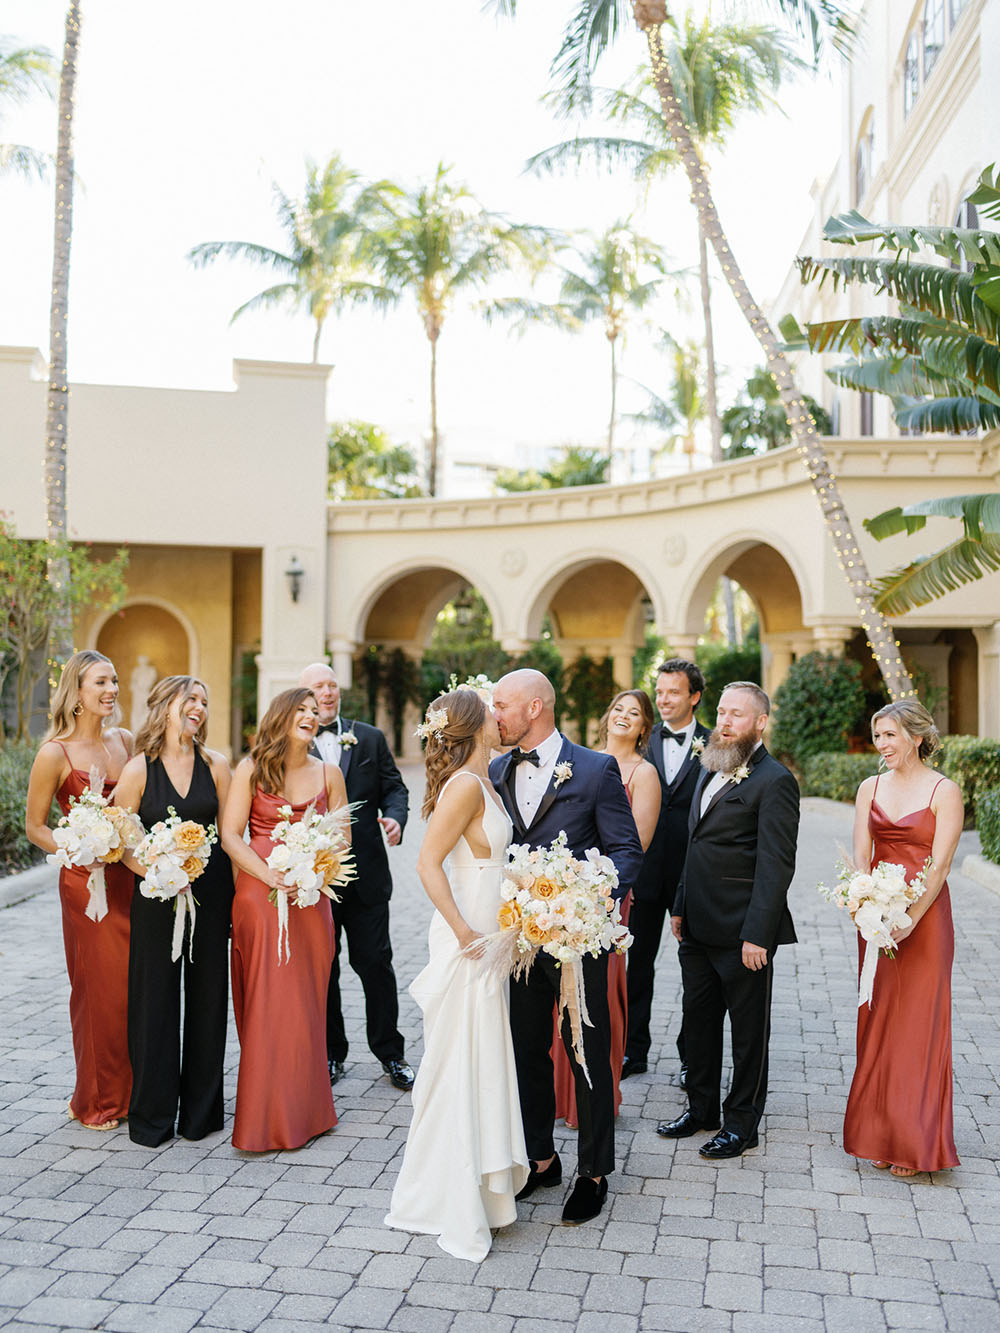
[719, 665]
[816, 706]
[988, 823]
[16, 852]
[974, 763]
[837, 776]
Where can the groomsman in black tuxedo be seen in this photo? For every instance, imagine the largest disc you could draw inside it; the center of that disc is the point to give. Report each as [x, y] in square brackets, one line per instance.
[362, 915]
[679, 686]
[730, 914]
[548, 786]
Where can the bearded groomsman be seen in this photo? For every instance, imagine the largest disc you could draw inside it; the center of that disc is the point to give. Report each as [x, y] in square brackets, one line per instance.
[673, 752]
[729, 916]
[362, 915]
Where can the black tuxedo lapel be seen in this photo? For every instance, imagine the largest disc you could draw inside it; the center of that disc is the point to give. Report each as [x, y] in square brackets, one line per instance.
[506, 790]
[655, 752]
[550, 790]
[345, 750]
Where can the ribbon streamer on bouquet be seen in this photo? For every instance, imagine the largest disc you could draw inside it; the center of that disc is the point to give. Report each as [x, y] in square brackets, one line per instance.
[281, 902]
[866, 985]
[573, 1001]
[97, 902]
[183, 908]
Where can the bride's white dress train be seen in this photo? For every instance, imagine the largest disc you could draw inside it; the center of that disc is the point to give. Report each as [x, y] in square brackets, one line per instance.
[465, 1157]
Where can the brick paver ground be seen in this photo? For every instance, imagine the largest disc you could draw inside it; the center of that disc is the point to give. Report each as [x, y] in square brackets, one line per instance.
[96, 1232]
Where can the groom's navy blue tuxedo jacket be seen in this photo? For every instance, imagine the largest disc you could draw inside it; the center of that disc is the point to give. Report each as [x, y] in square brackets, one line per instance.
[591, 807]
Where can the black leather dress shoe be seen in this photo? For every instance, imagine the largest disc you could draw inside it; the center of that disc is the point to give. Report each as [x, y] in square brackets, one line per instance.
[630, 1067]
[336, 1068]
[401, 1076]
[727, 1144]
[683, 1127]
[586, 1201]
[552, 1175]
[682, 1077]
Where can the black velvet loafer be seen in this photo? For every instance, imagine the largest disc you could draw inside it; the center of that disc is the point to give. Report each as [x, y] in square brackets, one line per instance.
[552, 1175]
[630, 1067]
[586, 1201]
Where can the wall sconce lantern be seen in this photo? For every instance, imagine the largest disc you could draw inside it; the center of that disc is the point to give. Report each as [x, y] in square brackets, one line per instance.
[294, 574]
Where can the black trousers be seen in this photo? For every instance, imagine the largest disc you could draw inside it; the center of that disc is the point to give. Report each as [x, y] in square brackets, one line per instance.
[717, 983]
[366, 927]
[646, 921]
[163, 1079]
[531, 1001]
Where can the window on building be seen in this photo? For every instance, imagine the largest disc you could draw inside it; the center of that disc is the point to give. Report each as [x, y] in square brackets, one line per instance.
[863, 161]
[911, 73]
[933, 33]
[955, 8]
[967, 217]
[867, 414]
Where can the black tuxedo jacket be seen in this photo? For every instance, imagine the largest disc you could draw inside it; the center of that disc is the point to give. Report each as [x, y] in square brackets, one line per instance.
[591, 807]
[664, 859]
[740, 860]
[371, 777]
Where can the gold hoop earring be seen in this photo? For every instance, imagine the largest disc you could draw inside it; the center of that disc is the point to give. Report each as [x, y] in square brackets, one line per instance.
[78, 709]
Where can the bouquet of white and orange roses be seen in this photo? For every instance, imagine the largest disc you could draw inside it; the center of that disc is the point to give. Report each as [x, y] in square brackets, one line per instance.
[555, 903]
[173, 854]
[92, 830]
[312, 853]
[877, 901]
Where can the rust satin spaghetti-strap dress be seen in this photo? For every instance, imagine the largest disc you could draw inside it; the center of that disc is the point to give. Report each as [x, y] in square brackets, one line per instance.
[283, 1095]
[97, 963]
[900, 1105]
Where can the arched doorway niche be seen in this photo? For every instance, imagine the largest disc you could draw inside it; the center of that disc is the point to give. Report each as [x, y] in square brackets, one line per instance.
[148, 627]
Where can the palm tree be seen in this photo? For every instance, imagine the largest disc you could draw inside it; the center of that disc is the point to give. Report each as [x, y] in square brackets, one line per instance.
[720, 70]
[323, 265]
[23, 71]
[436, 242]
[61, 635]
[593, 25]
[685, 406]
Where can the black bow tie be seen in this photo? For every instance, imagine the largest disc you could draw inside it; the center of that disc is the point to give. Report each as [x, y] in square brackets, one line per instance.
[333, 726]
[519, 756]
[679, 736]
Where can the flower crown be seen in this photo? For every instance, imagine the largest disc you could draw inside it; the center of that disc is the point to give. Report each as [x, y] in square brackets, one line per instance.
[433, 724]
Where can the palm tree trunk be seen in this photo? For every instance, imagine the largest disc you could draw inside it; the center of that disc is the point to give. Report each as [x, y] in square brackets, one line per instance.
[883, 644]
[316, 337]
[614, 408]
[61, 632]
[432, 462]
[711, 387]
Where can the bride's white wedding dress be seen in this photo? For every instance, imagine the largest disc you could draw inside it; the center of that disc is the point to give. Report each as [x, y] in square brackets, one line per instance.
[465, 1157]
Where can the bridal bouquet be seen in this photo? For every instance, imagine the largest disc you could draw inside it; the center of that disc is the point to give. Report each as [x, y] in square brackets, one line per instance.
[93, 830]
[173, 854]
[312, 854]
[877, 901]
[555, 903]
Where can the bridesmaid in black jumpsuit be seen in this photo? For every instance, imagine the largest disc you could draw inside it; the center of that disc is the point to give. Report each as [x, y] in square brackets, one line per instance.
[172, 768]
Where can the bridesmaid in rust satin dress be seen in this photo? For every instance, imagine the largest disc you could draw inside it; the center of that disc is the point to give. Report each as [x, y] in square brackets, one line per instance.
[83, 736]
[624, 732]
[899, 1112]
[283, 1095]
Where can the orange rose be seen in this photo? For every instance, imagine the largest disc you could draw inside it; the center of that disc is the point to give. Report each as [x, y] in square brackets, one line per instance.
[533, 932]
[508, 916]
[544, 888]
[189, 836]
[327, 866]
[192, 867]
[115, 854]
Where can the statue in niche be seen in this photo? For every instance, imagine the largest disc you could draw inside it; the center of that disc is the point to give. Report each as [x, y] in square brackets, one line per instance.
[140, 682]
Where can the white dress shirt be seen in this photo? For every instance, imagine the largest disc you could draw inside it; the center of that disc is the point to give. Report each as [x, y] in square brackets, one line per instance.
[718, 781]
[328, 744]
[674, 754]
[531, 783]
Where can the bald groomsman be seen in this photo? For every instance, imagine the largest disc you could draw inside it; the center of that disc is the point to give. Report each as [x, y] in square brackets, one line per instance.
[362, 915]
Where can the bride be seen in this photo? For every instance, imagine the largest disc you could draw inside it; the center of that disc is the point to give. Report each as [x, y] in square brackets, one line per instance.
[465, 1157]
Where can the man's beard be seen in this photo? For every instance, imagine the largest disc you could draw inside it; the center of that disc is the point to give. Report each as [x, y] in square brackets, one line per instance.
[722, 756]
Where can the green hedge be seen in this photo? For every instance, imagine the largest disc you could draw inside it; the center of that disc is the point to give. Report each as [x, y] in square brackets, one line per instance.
[16, 852]
[988, 822]
[837, 776]
[974, 763]
[816, 707]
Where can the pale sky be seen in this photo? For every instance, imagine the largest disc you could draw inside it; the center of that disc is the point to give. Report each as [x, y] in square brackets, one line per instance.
[187, 112]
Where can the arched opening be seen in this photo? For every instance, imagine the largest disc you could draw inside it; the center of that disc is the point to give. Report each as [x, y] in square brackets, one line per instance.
[146, 642]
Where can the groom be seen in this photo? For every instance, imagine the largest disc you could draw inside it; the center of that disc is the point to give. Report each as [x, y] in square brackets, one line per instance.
[549, 785]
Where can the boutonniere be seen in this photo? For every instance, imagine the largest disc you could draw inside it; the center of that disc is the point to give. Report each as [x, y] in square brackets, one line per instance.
[563, 772]
[697, 746]
[738, 774]
[348, 738]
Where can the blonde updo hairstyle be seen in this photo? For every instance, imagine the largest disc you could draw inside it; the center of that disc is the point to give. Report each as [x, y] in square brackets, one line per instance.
[915, 721]
[152, 734]
[646, 730]
[67, 694]
[446, 753]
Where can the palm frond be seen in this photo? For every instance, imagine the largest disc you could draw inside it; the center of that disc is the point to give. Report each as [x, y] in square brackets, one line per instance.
[955, 244]
[285, 293]
[644, 159]
[591, 29]
[931, 576]
[948, 415]
[986, 195]
[208, 251]
[19, 160]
